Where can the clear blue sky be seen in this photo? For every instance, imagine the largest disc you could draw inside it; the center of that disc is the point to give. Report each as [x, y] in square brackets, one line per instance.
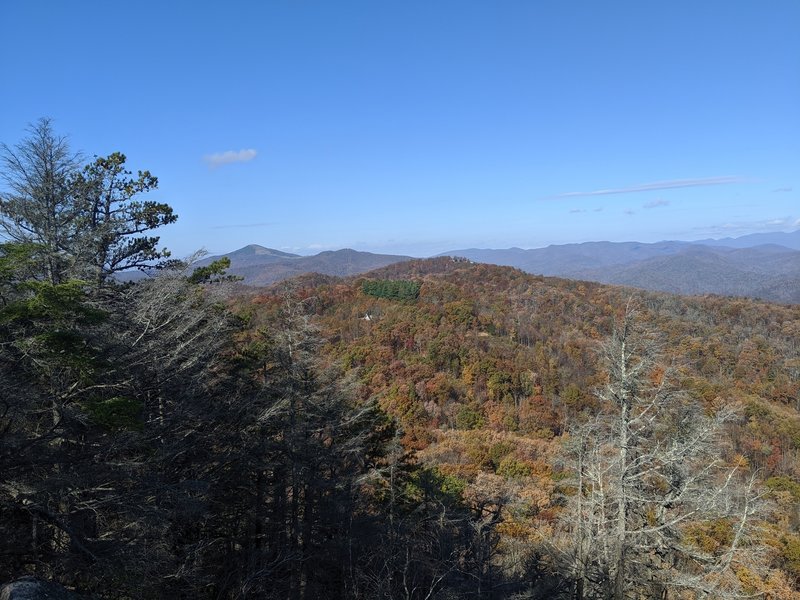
[423, 126]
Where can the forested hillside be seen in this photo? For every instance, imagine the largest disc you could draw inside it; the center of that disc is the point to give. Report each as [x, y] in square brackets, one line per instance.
[493, 376]
[435, 429]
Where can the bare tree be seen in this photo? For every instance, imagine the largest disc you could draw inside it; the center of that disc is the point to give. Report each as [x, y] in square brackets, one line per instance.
[37, 205]
[647, 471]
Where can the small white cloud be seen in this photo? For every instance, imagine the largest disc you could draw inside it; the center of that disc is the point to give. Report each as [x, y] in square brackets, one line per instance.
[578, 210]
[783, 189]
[630, 212]
[231, 156]
[598, 209]
[656, 203]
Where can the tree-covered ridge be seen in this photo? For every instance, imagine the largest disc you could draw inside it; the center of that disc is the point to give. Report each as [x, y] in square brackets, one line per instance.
[489, 351]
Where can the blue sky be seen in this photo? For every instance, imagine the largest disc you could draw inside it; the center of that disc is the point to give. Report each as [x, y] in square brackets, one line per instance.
[418, 127]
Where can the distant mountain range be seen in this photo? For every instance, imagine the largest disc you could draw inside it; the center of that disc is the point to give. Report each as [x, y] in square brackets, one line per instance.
[262, 266]
[767, 272]
[763, 266]
[788, 240]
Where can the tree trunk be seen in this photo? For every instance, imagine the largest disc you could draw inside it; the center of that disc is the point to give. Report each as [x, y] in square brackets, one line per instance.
[622, 503]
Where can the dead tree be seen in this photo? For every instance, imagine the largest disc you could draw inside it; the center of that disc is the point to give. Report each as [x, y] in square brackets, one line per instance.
[647, 470]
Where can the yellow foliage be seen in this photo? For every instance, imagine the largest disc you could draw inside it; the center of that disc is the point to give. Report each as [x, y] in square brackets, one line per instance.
[711, 537]
[751, 583]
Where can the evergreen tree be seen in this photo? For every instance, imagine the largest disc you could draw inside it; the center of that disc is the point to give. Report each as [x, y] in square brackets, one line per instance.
[113, 218]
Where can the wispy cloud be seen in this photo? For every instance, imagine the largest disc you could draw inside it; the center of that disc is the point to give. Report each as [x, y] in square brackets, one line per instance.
[630, 212]
[656, 203]
[783, 189]
[578, 210]
[242, 226]
[742, 227]
[656, 185]
[231, 156]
